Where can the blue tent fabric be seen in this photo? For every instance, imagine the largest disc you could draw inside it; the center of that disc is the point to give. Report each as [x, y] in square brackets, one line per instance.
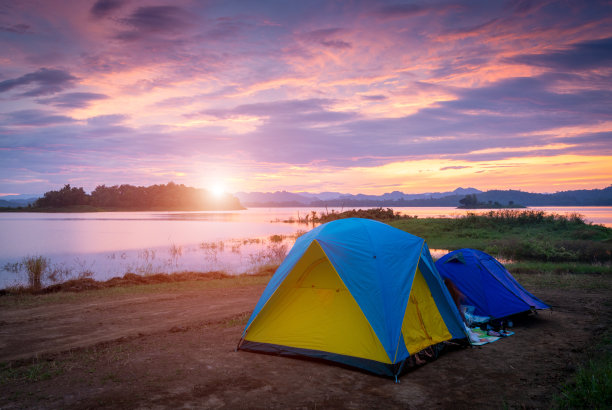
[377, 263]
[486, 284]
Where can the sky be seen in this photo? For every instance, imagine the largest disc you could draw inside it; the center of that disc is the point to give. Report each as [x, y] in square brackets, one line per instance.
[346, 96]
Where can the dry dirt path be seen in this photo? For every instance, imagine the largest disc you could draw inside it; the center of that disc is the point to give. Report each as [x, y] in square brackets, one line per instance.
[31, 332]
[177, 350]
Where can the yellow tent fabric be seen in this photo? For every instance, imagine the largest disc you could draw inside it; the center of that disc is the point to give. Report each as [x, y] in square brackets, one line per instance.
[423, 325]
[314, 310]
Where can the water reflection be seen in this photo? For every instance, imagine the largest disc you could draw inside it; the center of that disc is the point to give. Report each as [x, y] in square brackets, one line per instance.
[232, 256]
[108, 244]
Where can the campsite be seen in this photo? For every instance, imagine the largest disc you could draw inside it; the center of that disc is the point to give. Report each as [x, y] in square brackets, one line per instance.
[174, 344]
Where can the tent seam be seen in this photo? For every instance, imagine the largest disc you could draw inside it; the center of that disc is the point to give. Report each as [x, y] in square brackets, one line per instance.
[245, 331]
[399, 339]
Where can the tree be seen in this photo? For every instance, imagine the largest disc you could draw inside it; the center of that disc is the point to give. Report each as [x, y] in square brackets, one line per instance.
[469, 201]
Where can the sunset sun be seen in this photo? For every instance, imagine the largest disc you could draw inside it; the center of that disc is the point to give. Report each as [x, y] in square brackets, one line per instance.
[217, 189]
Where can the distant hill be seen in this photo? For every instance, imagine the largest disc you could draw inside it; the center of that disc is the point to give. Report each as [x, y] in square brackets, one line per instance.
[16, 201]
[591, 197]
[290, 199]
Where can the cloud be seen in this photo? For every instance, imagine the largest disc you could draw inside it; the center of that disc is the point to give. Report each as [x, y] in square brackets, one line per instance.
[533, 97]
[150, 20]
[285, 112]
[598, 143]
[103, 8]
[581, 56]
[475, 29]
[111, 119]
[47, 81]
[224, 28]
[73, 100]
[524, 7]
[375, 97]
[328, 38]
[454, 167]
[16, 28]
[35, 118]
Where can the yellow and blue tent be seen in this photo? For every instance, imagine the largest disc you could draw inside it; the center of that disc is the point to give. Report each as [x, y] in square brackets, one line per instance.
[357, 292]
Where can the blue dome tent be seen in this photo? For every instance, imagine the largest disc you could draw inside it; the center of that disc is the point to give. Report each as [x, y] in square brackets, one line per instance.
[357, 292]
[486, 284]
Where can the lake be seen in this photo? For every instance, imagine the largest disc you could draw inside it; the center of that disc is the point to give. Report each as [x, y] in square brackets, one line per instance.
[107, 244]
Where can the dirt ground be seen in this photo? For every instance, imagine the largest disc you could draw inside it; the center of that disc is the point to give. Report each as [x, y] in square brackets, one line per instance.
[177, 350]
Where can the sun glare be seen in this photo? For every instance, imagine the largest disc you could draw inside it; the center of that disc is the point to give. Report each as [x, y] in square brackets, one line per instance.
[217, 190]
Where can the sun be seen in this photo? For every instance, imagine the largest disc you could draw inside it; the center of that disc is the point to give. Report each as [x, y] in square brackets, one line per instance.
[217, 190]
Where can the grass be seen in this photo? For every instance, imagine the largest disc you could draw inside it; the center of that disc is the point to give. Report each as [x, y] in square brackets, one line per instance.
[27, 299]
[564, 281]
[518, 267]
[529, 237]
[33, 372]
[591, 386]
[35, 267]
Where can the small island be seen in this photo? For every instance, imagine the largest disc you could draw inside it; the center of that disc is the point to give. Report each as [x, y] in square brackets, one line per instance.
[168, 197]
[471, 202]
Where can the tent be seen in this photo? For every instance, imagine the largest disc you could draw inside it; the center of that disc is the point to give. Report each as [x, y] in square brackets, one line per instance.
[486, 284]
[357, 292]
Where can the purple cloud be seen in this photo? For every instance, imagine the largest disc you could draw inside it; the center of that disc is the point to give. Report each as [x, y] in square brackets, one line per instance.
[103, 8]
[328, 38]
[73, 100]
[150, 20]
[453, 167]
[375, 97]
[581, 56]
[35, 118]
[285, 112]
[47, 81]
[16, 28]
[102, 120]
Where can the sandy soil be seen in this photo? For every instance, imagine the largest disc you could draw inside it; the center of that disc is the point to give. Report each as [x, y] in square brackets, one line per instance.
[171, 350]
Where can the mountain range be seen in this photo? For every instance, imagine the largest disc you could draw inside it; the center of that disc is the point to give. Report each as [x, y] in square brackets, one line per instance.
[584, 197]
[592, 197]
[17, 201]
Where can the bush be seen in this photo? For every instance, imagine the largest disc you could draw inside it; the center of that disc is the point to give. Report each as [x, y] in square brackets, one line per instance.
[35, 267]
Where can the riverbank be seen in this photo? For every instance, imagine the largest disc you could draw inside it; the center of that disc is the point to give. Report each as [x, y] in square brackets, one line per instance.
[172, 345]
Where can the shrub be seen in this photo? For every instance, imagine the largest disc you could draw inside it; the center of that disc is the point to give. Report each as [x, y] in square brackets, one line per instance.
[35, 267]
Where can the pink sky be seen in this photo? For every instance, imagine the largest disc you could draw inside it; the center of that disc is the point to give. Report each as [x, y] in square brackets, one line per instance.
[315, 96]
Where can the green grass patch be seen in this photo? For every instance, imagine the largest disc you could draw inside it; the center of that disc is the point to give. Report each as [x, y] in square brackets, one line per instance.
[517, 235]
[564, 281]
[558, 268]
[591, 387]
[29, 373]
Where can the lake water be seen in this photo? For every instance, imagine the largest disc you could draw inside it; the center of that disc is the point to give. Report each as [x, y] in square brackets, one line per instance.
[107, 244]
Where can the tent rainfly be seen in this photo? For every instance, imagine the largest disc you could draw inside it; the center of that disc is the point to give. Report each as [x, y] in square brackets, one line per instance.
[486, 284]
[357, 292]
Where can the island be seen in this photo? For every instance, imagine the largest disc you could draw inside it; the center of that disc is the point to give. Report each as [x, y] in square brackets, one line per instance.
[165, 197]
[471, 202]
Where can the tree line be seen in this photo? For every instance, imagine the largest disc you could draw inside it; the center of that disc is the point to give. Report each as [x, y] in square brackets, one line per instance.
[170, 196]
[471, 202]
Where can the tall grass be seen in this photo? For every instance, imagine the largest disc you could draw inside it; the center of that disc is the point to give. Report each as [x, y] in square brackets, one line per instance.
[527, 235]
[591, 387]
[35, 268]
